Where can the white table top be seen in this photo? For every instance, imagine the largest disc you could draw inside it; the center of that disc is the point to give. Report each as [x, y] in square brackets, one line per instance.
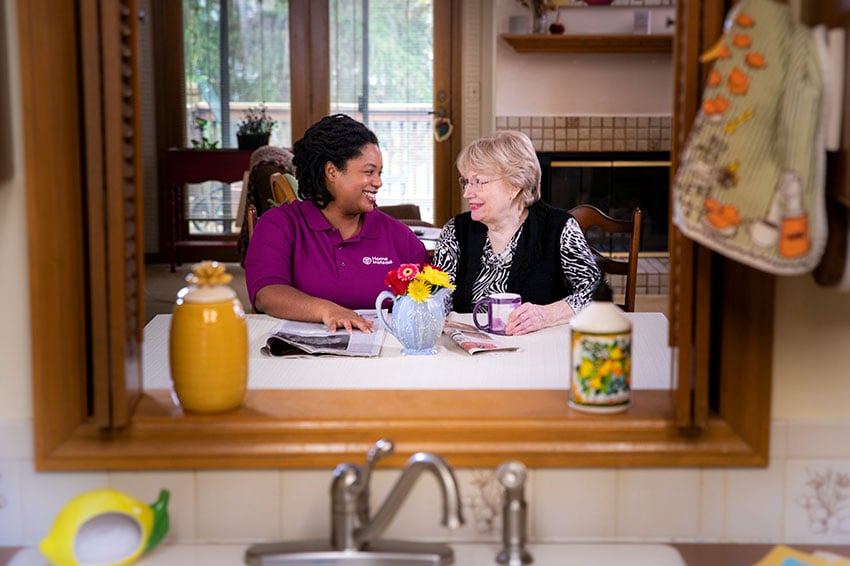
[542, 361]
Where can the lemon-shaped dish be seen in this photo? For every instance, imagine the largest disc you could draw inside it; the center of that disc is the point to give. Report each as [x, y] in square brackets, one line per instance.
[105, 527]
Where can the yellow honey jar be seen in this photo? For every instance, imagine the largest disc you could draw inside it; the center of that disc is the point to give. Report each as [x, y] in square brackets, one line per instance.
[208, 342]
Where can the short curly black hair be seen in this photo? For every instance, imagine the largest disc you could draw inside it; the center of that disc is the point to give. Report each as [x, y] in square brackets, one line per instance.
[336, 138]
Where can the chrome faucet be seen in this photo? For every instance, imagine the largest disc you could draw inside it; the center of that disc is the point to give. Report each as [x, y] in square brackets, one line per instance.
[355, 534]
[514, 513]
[352, 528]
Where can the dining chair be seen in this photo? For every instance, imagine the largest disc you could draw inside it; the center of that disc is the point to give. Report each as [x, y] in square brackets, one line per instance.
[406, 212]
[589, 217]
[251, 220]
[282, 191]
[241, 211]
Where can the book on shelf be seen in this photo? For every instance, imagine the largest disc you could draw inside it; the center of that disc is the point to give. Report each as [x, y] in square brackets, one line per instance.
[294, 338]
[472, 340]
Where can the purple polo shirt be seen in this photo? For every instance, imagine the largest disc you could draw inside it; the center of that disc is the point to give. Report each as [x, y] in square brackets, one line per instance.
[294, 245]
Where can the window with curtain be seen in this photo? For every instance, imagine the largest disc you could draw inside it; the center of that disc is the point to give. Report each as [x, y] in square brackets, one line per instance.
[382, 73]
[236, 56]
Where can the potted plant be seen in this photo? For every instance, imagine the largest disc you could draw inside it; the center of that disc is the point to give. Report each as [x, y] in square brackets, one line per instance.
[255, 128]
[540, 9]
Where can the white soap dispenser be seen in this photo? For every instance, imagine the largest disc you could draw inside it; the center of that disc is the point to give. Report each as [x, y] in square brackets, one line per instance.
[600, 356]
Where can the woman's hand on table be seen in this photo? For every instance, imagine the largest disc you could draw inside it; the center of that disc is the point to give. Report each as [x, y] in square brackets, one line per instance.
[529, 317]
[340, 317]
[284, 301]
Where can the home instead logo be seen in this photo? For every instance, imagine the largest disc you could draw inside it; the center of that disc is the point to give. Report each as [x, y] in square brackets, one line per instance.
[372, 260]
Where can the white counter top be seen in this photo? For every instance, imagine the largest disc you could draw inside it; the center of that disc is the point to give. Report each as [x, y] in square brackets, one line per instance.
[542, 361]
[465, 555]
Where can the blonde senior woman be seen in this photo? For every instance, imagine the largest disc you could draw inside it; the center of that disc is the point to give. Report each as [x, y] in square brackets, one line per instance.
[511, 242]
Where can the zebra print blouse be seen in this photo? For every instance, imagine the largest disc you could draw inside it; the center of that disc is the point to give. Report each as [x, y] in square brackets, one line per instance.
[577, 263]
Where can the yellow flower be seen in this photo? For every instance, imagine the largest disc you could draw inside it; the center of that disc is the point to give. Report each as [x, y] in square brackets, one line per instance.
[616, 353]
[419, 290]
[437, 277]
[605, 368]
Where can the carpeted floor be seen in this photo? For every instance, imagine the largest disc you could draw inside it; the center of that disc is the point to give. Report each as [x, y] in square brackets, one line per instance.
[161, 286]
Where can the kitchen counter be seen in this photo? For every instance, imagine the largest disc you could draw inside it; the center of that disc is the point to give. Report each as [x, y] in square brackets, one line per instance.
[465, 555]
[705, 554]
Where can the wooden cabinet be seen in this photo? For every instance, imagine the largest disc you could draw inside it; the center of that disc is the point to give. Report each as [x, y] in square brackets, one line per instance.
[597, 43]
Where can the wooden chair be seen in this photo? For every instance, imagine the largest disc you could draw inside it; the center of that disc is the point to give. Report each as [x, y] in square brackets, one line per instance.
[406, 212]
[243, 201]
[251, 219]
[588, 217]
[282, 191]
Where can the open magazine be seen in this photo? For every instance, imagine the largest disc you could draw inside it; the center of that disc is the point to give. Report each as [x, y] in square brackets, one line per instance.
[291, 337]
[471, 339]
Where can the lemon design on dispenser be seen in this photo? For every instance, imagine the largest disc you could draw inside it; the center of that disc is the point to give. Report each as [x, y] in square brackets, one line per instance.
[105, 527]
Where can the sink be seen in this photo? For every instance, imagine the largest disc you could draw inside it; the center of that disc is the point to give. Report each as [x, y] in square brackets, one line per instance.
[382, 552]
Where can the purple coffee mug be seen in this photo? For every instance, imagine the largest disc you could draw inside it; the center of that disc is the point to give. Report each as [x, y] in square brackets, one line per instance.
[499, 308]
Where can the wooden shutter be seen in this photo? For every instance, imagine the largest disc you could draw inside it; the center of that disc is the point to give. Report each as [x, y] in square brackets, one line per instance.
[699, 25]
[112, 187]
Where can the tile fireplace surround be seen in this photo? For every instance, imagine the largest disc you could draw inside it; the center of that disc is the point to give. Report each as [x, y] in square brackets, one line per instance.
[599, 134]
[592, 133]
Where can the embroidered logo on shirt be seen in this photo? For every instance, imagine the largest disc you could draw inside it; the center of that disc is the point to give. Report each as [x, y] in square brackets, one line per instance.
[376, 260]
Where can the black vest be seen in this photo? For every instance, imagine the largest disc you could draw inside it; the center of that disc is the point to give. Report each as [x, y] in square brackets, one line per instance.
[535, 273]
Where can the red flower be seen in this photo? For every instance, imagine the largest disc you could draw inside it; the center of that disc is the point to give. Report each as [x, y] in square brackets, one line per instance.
[394, 282]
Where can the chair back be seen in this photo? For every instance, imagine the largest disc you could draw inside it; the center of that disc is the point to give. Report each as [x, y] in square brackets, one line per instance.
[282, 191]
[251, 219]
[243, 201]
[406, 212]
[588, 217]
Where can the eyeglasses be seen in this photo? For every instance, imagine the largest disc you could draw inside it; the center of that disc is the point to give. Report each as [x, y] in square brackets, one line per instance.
[474, 184]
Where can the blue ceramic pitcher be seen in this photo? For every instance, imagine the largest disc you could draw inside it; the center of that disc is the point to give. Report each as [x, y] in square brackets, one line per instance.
[417, 325]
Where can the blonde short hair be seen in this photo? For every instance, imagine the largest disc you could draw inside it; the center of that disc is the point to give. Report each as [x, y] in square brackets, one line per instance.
[508, 154]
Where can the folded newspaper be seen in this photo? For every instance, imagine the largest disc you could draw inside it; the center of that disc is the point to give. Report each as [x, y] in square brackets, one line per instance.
[471, 339]
[292, 337]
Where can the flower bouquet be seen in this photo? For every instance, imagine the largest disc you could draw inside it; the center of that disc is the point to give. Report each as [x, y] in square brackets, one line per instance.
[419, 306]
[418, 281]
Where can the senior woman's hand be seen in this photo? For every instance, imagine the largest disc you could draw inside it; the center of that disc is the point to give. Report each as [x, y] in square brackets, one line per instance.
[529, 317]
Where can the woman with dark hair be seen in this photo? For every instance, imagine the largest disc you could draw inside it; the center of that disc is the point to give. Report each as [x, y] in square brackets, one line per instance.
[512, 242]
[319, 259]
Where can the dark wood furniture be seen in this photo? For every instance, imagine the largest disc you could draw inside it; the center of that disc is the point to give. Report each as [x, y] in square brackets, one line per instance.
[590, 43]
[591, 218]
[184, 165]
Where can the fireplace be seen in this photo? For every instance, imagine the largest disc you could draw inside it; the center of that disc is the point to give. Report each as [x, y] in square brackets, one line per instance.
[616, 183]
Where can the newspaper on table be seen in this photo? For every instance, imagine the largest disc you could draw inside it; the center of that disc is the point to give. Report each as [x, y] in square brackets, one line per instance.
[472, 340]
[291, 337]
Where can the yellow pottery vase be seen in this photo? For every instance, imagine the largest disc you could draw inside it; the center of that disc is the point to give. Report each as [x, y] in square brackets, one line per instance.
[208, 347]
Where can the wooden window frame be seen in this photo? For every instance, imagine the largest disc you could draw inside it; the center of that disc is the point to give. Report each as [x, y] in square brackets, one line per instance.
[76, 357]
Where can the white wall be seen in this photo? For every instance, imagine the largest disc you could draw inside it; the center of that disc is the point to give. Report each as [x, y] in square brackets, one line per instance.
[581, 84]
[810, 424]
[15, 396]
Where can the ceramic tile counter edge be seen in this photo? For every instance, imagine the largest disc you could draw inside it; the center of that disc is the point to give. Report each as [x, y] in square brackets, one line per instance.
[562, 554]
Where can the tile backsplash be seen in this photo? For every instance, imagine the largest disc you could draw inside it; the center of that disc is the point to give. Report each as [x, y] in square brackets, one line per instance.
[801, 497]
[592, 133]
